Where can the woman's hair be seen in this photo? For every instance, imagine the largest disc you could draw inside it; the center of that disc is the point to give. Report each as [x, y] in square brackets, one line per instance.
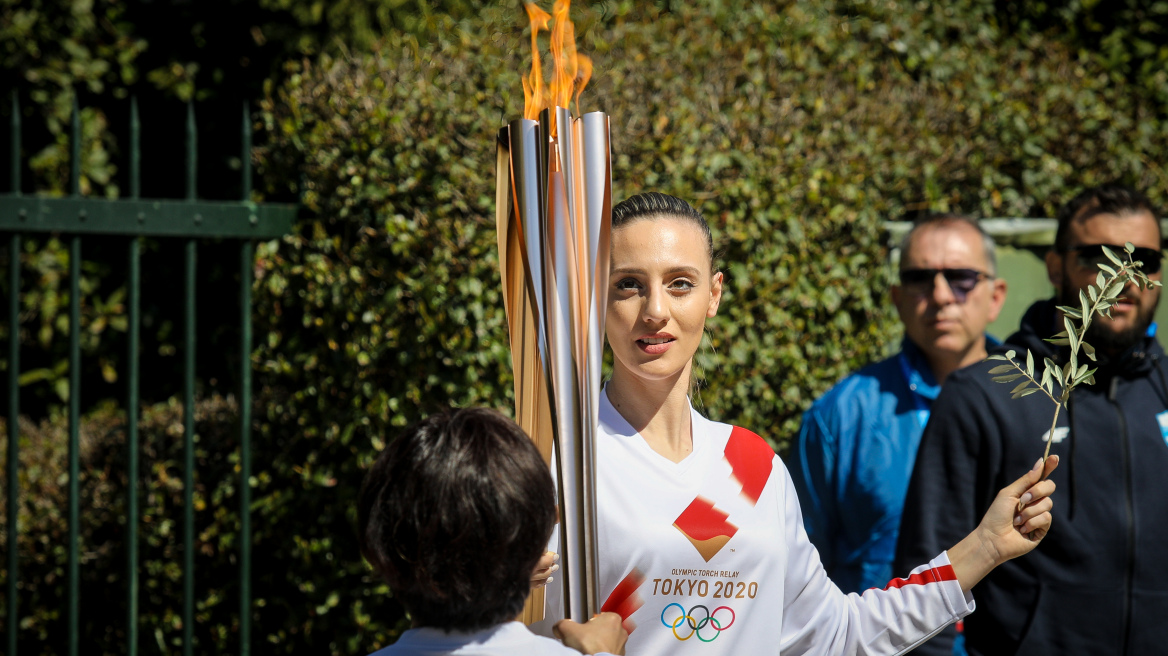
[656, 205]
[454, 515]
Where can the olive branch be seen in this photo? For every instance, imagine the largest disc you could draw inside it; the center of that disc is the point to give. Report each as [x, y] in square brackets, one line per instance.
[1097, 299]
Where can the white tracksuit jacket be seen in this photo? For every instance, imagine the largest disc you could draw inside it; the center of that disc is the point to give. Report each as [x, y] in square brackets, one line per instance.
[709, 556]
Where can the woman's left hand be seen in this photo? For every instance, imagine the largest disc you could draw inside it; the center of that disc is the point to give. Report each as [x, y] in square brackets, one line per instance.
[1015, 523]
[1015, 532]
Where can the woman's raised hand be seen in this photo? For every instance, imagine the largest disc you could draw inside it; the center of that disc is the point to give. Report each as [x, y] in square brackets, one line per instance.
[1015, 532]
[1015, 523]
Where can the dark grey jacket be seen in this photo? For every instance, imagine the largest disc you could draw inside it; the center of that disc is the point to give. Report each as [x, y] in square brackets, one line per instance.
[1098, 584]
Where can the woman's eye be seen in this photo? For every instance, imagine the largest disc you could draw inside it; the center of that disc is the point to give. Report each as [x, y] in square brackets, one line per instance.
[681, 284]
[627, 283]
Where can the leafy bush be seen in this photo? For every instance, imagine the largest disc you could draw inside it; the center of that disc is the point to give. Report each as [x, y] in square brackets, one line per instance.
[1129, 38]
[43, 517]
[99, 52]
[796, 132]
[54, 49]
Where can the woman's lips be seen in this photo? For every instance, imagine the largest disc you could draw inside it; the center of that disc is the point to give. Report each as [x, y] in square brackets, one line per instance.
[655, 344]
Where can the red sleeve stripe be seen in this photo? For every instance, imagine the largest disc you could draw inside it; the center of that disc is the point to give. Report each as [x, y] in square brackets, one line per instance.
[932, 575]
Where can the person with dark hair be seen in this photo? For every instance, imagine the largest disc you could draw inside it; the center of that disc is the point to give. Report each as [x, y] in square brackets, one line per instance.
[454, 515]
[855, 451]
[701, 542]
[1098, 585]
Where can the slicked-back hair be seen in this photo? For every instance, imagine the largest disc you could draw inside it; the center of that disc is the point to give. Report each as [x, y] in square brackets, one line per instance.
[454, 515]
[1105, 199]
[656, 205]
[942, 219]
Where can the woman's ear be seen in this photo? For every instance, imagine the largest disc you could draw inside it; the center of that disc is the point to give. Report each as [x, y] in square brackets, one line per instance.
[715, 295]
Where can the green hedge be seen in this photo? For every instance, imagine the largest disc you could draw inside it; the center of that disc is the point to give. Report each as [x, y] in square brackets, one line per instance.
[43, 516]
[796, 131]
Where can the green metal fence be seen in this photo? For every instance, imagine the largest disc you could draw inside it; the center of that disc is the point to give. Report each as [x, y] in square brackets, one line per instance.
[189, 220]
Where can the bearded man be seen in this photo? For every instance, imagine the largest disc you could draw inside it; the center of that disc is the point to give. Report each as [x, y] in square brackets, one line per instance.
[1099, 584]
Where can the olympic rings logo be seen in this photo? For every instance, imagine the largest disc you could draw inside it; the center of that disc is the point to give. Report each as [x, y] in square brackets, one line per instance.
[695, 625]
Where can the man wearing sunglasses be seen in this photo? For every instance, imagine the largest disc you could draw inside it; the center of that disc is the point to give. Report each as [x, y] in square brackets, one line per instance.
[854, 454]
[1099, 584]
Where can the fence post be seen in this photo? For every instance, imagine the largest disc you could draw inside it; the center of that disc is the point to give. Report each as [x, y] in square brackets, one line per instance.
[13, 391]
[188, 621]
[247, 261]
[132, 395]
[75, 403]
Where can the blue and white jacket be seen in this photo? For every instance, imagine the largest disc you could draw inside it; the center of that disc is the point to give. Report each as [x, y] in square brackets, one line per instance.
[852, 462]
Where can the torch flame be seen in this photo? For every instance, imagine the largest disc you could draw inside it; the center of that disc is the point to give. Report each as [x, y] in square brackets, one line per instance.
[584, 74]
[563, 45]
[533, 93]
[570, 70]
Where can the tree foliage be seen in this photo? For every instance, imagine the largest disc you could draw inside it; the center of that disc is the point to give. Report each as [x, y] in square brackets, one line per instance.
[1128, 38]
[43, 516]
[52, 49]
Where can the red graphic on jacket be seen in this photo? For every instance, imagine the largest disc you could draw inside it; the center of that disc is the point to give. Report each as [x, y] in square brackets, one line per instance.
[624, 600]
[751, 460]
[702, 523]
[705, 527]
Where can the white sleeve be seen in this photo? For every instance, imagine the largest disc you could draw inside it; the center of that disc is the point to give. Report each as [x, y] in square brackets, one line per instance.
[820, 619]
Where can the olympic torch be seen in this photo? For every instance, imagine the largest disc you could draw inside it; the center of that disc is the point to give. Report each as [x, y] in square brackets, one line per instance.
[553, 213]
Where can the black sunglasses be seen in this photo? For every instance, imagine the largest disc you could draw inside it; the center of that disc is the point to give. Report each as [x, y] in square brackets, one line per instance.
[961, 281]
[1092, 256]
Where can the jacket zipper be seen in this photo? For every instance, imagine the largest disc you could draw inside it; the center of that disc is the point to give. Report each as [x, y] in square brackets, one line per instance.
[1131, 523]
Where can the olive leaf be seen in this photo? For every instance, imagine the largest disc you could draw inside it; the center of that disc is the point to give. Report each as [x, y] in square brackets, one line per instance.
[1097, 299]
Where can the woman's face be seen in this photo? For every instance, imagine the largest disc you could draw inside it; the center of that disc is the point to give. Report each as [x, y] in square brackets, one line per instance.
[661, 293]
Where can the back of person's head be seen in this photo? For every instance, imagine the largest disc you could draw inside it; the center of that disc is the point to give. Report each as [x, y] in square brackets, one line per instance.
[1111, 198]
[454, 515]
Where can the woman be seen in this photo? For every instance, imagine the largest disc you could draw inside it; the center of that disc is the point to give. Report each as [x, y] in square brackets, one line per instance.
[701, 541]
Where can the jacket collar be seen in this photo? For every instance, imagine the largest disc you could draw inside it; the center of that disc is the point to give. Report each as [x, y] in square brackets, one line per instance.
[918, 374]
